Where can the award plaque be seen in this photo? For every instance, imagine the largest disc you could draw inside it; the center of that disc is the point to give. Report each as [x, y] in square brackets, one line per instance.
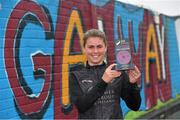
[123, 56]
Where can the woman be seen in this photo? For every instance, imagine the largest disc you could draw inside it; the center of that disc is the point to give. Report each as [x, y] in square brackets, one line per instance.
[96, 88]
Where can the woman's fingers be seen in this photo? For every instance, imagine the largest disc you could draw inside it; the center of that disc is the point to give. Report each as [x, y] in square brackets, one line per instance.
[134, 74]
[111, 66]
[110, 74]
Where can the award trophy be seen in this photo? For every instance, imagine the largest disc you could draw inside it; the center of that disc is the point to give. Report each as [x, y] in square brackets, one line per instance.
[123, 55]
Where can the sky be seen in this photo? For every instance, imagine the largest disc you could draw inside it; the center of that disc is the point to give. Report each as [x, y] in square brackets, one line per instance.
[166, 7]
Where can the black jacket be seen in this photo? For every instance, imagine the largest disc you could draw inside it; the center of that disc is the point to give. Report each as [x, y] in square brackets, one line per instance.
[96, 99]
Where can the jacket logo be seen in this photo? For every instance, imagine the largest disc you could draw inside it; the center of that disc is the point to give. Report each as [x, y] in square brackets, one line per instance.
[87, 81]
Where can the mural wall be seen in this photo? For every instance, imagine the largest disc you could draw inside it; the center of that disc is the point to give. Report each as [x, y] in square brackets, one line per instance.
[40, 41]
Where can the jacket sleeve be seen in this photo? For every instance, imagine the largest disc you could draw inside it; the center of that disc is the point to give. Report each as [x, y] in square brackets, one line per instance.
[84, 101]
[130, 93]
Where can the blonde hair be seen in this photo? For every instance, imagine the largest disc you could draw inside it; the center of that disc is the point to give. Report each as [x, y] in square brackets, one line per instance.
[94, 33]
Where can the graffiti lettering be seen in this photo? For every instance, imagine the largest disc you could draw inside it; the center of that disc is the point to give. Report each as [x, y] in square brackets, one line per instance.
[54, 68]
[26, 101]
[161, 44]
[71, 59]
[152, 52]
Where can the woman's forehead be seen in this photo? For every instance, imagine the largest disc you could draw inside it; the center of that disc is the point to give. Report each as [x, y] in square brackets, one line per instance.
[95, 40]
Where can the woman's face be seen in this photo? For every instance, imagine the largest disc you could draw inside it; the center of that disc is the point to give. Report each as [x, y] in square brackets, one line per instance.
[95, 50]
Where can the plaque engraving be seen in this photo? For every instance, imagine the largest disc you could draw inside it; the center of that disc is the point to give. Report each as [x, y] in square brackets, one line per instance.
[123, 55]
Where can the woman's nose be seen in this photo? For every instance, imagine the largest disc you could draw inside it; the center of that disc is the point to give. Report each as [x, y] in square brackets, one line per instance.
[95, 49]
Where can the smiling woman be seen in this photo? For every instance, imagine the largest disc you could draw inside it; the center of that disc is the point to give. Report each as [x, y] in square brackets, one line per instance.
[95, 51]
[96, 88]
[95, 47]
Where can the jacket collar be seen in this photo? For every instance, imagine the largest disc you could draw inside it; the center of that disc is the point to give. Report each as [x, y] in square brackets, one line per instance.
[95, 66]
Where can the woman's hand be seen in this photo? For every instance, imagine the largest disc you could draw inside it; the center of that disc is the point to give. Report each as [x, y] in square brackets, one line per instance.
[134, 74]
[110, 74]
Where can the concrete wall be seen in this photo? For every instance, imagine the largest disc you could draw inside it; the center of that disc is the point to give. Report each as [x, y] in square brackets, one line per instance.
[40, 41]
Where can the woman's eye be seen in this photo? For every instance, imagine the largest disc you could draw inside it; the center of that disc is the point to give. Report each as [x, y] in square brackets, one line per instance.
[90, 47]
[99, 46]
